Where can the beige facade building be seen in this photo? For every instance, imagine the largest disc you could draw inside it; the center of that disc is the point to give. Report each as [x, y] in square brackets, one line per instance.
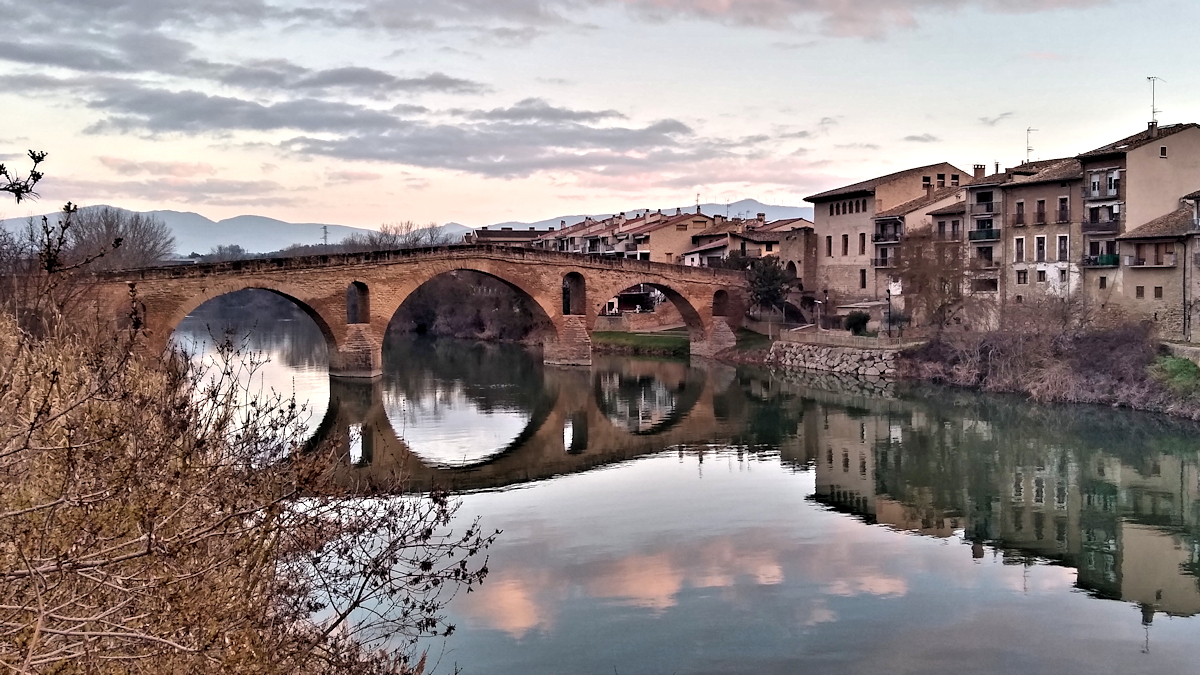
[844, 227]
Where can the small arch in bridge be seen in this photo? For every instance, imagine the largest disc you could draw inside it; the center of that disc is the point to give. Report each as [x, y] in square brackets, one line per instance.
[574, 294]
[575, 433]
[720, 305]
[358, 303]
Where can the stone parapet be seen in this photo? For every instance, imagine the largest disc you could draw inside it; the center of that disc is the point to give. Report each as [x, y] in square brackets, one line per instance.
[842, 360]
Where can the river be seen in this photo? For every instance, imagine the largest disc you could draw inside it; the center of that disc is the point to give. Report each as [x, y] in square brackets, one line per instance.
[669, 517]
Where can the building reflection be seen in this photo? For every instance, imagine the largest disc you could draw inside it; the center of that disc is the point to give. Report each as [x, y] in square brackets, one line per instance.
[1030, 485]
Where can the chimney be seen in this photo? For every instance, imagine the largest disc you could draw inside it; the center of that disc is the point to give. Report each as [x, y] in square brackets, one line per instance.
[762, 217]
[997, 167]
[678, 211]
[550, 230]
[980, 171]
[928, 190]
[1153, 129]
[532, 229]
[562, 223]
[697, 209]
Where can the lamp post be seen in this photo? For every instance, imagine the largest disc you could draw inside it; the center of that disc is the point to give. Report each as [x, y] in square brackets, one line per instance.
[889, 314]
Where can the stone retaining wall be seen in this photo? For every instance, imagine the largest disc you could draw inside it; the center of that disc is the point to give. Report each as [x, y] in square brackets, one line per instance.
[843, 360]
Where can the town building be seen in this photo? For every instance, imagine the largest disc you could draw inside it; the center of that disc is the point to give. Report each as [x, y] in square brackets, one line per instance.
[844, 225]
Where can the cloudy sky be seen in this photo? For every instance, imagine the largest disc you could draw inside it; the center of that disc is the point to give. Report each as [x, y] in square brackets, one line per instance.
[371, 111]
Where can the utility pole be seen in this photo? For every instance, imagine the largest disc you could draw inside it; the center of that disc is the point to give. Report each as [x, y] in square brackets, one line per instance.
[1028, 147]
[325, 234]
[1154, 97]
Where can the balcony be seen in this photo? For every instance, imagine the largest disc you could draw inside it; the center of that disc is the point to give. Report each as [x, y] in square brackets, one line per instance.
[883, 262]
[1063, 216]
[1102, 226]
[1102, 260]
[983, 208]
[992, 234]
[948, 236]
[1167, 260]
[1039, 217]
[885, 237]
[1103, 193]
[984, 264]
[1018, 220]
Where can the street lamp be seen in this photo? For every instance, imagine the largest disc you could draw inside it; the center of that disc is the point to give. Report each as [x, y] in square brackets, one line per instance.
[889, 314]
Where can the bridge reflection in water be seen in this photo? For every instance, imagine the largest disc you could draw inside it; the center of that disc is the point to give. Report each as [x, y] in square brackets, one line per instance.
[613, 411]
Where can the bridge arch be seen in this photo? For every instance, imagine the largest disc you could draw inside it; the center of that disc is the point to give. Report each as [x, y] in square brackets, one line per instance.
[163, 329]
[541, 306]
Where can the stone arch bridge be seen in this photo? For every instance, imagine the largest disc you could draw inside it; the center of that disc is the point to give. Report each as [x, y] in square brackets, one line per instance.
[352, 297]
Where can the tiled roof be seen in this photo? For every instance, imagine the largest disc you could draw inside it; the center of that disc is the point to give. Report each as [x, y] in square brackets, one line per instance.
[1193, 195]
[785, 225]
[1137, 140]
[757, 236]
[720, 243]
[1175, 224]
[868, 186]
[1041, 171]
[922, 201]
[670, 220]
[955, 209]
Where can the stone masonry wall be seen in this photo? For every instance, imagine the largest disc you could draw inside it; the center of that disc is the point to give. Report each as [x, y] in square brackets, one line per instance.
[843, 360]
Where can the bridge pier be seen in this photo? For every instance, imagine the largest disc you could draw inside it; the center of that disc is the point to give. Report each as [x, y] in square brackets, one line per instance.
[573, 347]
[717, 339]
[360, 355]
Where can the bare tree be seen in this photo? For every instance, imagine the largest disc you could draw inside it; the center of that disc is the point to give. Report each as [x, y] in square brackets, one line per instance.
[22, 188]
[932, 274]
[157, 516]
[394, 236]
[226, 252]
[130, 239]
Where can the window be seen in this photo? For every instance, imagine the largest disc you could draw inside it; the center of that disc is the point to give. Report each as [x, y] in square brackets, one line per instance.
[1063, 247]
[954, 227]
[925, 181]
[941, 180]
[1041, 276]
[831, 209]
[984, 253]
[681, 227]
[985, 285]
[1019, 218]
[1062, 276]
[770, 247]
[862, 278]
[1022, 277]
[845, 244]
[1019, 249]
[828, 247]
[1114, 183]
[941, 229]
[1019, 299]
[954, 178]
[862, 243]
[1064, 210]
[1103, 282]
[1139, 292]
[1162, 151]
[1041, 212]
[1039, 250]
[1158, 292]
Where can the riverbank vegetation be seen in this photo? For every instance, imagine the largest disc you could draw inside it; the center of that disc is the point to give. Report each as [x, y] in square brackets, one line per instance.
[1121, 366]
[157, 516]
[666, 343]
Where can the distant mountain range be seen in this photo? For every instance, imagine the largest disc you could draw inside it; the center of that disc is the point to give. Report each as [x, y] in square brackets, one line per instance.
[259, 234]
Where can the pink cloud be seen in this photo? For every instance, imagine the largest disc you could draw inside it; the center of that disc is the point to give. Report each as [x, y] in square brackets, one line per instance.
[127, 167]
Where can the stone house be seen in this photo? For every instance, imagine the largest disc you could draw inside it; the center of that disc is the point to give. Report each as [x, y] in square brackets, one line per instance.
[844, 225]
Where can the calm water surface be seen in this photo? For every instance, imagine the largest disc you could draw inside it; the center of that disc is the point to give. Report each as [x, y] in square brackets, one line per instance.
[660, 517]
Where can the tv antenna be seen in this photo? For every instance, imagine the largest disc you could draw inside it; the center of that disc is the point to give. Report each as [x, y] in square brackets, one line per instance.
[1028, 147]
[1154, 98]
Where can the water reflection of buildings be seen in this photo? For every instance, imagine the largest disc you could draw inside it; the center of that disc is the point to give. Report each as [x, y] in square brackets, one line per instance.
[1129, 524]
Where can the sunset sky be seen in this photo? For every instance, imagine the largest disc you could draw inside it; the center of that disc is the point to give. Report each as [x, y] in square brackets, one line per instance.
[368, 111]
